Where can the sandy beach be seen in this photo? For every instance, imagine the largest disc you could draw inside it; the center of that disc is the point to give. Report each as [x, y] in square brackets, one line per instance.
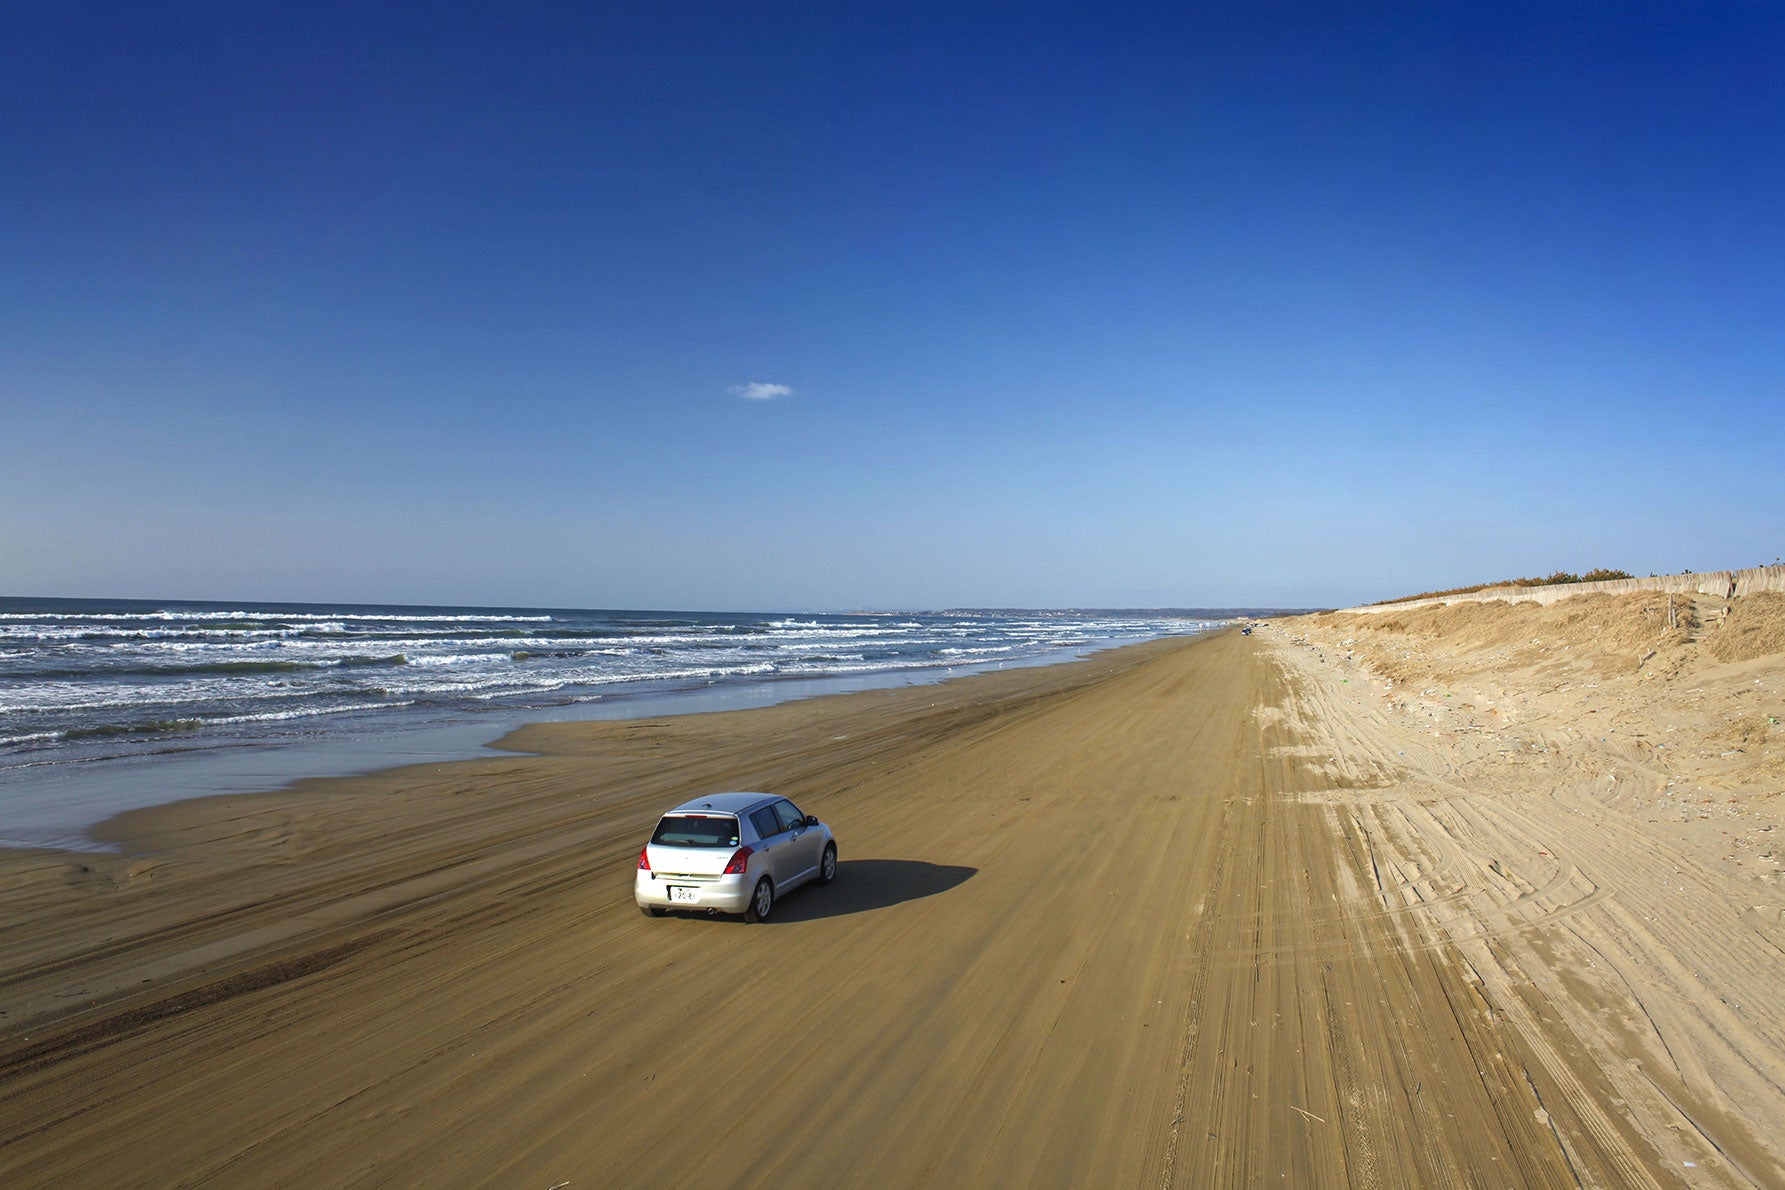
[1484, 894]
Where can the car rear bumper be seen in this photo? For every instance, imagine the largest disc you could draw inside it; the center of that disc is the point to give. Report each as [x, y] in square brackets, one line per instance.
[727, 894]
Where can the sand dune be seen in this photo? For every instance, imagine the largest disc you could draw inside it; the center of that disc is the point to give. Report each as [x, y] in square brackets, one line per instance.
[1224, 911]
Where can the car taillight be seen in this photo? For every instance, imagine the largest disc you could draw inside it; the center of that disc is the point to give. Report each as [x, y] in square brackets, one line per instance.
[740, 859]
[644, 858]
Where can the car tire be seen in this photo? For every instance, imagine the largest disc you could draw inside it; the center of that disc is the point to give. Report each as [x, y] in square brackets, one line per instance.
[652, 910]
[827, 867]
[762, 901]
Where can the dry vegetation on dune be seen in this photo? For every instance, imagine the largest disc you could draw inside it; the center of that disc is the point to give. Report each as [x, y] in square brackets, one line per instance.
[1596, 575]
[1755, 627]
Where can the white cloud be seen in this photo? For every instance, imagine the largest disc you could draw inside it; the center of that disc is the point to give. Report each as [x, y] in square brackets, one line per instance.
[758, 391]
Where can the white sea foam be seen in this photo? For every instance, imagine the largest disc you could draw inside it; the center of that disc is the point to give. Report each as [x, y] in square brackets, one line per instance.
[393, 618]
[425, 659]
[684, 674]
[201, 722]
[305, 713]
[100, 637]
[171, 697]
[31, 738]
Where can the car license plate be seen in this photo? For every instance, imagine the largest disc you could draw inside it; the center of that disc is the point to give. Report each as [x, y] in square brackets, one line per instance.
[682, 895]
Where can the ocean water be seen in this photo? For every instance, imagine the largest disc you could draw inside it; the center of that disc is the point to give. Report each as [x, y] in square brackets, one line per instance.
[108, 704]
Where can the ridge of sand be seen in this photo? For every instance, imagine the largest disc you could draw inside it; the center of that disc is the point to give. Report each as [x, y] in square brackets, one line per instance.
[1589, 796]
[1210, 912]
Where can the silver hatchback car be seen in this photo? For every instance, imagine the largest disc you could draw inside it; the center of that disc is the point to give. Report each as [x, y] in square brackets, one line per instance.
[732, 853]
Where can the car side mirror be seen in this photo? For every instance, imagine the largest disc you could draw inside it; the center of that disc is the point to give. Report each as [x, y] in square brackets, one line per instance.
[812, 820]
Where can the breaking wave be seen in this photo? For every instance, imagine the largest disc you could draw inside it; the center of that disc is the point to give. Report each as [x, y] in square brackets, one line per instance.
[100, 679]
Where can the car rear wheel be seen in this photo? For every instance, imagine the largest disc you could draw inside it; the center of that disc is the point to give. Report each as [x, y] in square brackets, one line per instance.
[652, 910]
[827, 867]
[762, 901]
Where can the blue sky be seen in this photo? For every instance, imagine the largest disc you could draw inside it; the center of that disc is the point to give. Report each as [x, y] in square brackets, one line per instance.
[1060, 305]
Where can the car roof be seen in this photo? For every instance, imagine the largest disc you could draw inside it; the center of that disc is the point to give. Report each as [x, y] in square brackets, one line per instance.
[726, 803]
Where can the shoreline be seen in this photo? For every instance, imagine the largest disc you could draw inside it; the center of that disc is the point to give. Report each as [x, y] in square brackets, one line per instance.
[59, 810]
[546, 738]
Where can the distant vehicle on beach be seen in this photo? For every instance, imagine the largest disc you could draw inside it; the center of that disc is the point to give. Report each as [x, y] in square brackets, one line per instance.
[1246, 631]
[732, 853]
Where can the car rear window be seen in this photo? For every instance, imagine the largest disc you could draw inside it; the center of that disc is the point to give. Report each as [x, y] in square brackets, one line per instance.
[687, 830]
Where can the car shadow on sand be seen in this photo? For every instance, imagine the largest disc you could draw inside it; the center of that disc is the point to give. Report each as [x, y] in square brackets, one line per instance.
[867, 884]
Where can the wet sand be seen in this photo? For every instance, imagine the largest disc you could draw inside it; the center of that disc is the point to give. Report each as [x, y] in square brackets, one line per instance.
[1187, 913]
